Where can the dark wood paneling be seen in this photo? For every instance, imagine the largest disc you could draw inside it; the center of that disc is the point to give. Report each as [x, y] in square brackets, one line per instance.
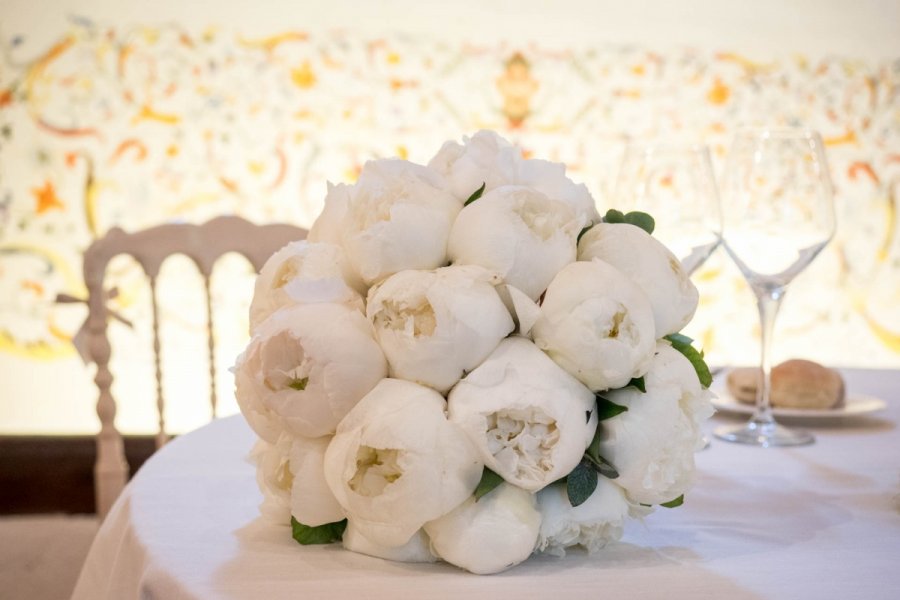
[51, 474]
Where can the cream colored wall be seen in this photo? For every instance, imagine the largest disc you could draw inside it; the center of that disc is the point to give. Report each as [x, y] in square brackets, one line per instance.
[57, 396]
[859, 28]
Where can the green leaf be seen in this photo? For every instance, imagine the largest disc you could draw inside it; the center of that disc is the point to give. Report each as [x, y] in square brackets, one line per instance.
[323, 534]
[635, 217]
[581, 483]
[606, 409]
[489, 480]
[674, 503]
[638, 382]
[582, 232]
[592, 455]
[642, 220]
[298, 384]
[614, 216]
[605, 468]
[475, 195]
[682, 343]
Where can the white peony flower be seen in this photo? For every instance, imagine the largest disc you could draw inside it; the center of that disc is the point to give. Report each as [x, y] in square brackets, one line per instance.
[304, 273]
[652, 444]
[524, 311]
[530, 420]
[672, 367]
[597, 325]
[329, 225]
[485, 158]
[434, 325]
[519, 233]
[592, 524]
[396, 462]
[312, 502]
[274, 478]
[488, 159]
[489, 535]
[649, 264]
[305, 368]
[396, 217]
[417, 549]
[550, 179]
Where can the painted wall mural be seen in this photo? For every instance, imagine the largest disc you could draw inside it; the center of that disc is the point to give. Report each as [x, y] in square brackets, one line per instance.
[136, 127]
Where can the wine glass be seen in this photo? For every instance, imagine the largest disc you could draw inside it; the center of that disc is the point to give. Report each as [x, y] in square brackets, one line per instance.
[675, 184]
[778, 214]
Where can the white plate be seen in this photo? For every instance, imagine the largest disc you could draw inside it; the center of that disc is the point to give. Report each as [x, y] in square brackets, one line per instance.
[855, 405]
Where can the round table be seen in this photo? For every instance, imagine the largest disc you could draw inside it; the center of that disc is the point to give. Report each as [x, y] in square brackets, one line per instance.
[820, 521]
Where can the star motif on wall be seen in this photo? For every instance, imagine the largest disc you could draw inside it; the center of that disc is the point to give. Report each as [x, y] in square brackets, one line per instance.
[45, 198]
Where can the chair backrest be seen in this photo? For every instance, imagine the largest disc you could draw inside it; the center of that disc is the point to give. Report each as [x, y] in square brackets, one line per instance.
[204, 244]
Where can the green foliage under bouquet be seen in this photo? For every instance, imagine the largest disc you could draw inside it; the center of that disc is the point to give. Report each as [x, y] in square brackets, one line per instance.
[466, 362]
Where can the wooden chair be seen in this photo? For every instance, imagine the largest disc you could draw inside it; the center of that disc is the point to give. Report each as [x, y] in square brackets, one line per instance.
[204, 244]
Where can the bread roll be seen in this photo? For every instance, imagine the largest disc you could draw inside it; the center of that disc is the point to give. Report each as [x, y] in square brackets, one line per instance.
[796, 383]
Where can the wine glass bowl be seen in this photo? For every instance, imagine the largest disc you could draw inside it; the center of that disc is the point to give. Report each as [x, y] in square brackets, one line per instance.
[674, 183]
[777, 216]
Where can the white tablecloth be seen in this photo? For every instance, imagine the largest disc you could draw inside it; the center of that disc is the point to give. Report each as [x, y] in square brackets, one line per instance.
[820, 521]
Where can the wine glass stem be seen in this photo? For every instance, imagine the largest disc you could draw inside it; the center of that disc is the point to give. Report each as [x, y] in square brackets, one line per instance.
[768, 300]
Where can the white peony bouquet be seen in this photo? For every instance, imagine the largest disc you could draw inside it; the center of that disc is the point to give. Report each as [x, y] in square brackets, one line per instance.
[465, 362]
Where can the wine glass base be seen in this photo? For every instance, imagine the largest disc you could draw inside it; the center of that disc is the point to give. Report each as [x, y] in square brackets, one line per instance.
[764, 434]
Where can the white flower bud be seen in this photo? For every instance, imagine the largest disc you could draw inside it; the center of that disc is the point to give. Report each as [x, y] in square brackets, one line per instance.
[435, 325]
[649, 264]
[305, 369]
[416, 550]
[597, 325]
[652, 444]
[396, 462]
[396, 217]
[312, 502]
[592, 524]
[530, 420]
[519, 233]
[489, 535]
[304, 273]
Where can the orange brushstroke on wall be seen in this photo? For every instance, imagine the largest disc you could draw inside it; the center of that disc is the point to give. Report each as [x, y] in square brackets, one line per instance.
[229, 184]
[45, 198]
[847, 138]
[750, 66]
[34, 287]
[271, 42]
[124, 55]
[53, 53]
[282, 168]
[718, 93]
[399, 84]
[303, 76]
[67, 132]
[148, 114]
[854, 170]
[6, 98]
[58, 333]
[140, 150]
